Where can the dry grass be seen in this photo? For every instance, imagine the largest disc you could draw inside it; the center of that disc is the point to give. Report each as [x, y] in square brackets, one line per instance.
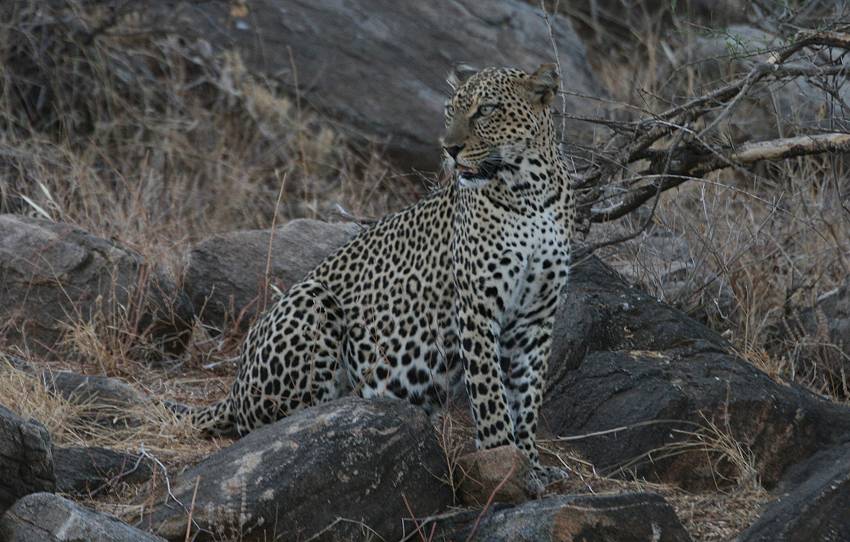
[79, 420]
[27, 396]
[708, 516]
[143, 137]
[108, 338]
[717, 517]
[455, 435]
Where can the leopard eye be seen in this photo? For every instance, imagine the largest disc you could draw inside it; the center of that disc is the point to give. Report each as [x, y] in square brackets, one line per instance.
[450, 110]
[485, 109]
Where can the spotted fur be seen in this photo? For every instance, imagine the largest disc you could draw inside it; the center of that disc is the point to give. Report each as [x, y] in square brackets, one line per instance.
[460, 287]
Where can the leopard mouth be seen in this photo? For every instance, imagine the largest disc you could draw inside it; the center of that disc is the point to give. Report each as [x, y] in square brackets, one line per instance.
[485, 170]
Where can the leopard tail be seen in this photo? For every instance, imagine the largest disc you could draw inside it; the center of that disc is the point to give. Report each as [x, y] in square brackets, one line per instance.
[214, 419]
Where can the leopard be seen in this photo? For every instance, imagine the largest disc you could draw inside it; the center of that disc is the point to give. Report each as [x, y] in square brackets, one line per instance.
[458, 291]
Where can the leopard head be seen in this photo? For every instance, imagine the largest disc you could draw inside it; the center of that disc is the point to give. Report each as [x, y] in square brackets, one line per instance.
[495, 116]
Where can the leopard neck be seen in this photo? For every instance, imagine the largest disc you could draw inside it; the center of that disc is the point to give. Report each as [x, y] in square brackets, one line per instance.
[535, 181]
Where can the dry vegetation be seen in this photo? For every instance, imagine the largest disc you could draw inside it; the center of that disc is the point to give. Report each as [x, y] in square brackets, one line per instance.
[139, 136]
[744, 249]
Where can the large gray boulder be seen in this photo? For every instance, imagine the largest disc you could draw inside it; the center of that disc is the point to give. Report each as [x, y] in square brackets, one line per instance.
[53, 275]
[378, 67]
[26, 458]
[225, 275]
[628, 517]
[331, 472]
[105, 400]
[45, 517]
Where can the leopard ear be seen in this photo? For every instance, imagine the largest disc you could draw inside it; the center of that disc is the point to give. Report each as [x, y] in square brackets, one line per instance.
[459, 74]
[543, 84]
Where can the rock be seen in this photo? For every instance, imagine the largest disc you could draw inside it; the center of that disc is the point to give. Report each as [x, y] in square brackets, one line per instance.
[80, 389]
[50, 518]
[111, 400]
[9, 361]
[89, 471]
[815, 504]
[225, 273]
[55, 274]
[378, 68]
[26, 458]
[105, 400]
[628, 517]
[623, 360]
[817, 341]
[353, 459]
[483, 471]
[778, 110]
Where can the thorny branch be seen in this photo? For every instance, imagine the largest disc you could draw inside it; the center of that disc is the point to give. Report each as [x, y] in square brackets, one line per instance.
[666, 152]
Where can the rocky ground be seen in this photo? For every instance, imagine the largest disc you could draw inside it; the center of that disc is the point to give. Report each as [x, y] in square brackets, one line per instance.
[692, 394]
[662, 425]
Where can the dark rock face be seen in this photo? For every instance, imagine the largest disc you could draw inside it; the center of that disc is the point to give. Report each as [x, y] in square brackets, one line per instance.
[351, 459]
[53, 273]
[621, 359]
[26, 458]
[378, 67]
[89, 471]
[629, 517]
[49, 518]
[225, 273]
[814, 505]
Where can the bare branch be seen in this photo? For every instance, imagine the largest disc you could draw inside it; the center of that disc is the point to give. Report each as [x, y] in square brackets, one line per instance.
[692, 156]
[788, 147]
[693, 165]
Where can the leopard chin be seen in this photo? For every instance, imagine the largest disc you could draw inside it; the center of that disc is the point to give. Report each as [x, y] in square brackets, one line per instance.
[486, 170]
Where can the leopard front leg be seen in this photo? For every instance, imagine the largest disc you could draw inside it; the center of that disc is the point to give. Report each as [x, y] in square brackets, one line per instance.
[483, 376]
[526, 344]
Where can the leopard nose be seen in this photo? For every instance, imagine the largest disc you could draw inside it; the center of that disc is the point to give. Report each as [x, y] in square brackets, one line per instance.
[454, 150]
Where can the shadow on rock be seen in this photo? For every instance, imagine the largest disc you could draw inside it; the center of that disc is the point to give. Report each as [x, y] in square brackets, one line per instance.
[654, 379]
